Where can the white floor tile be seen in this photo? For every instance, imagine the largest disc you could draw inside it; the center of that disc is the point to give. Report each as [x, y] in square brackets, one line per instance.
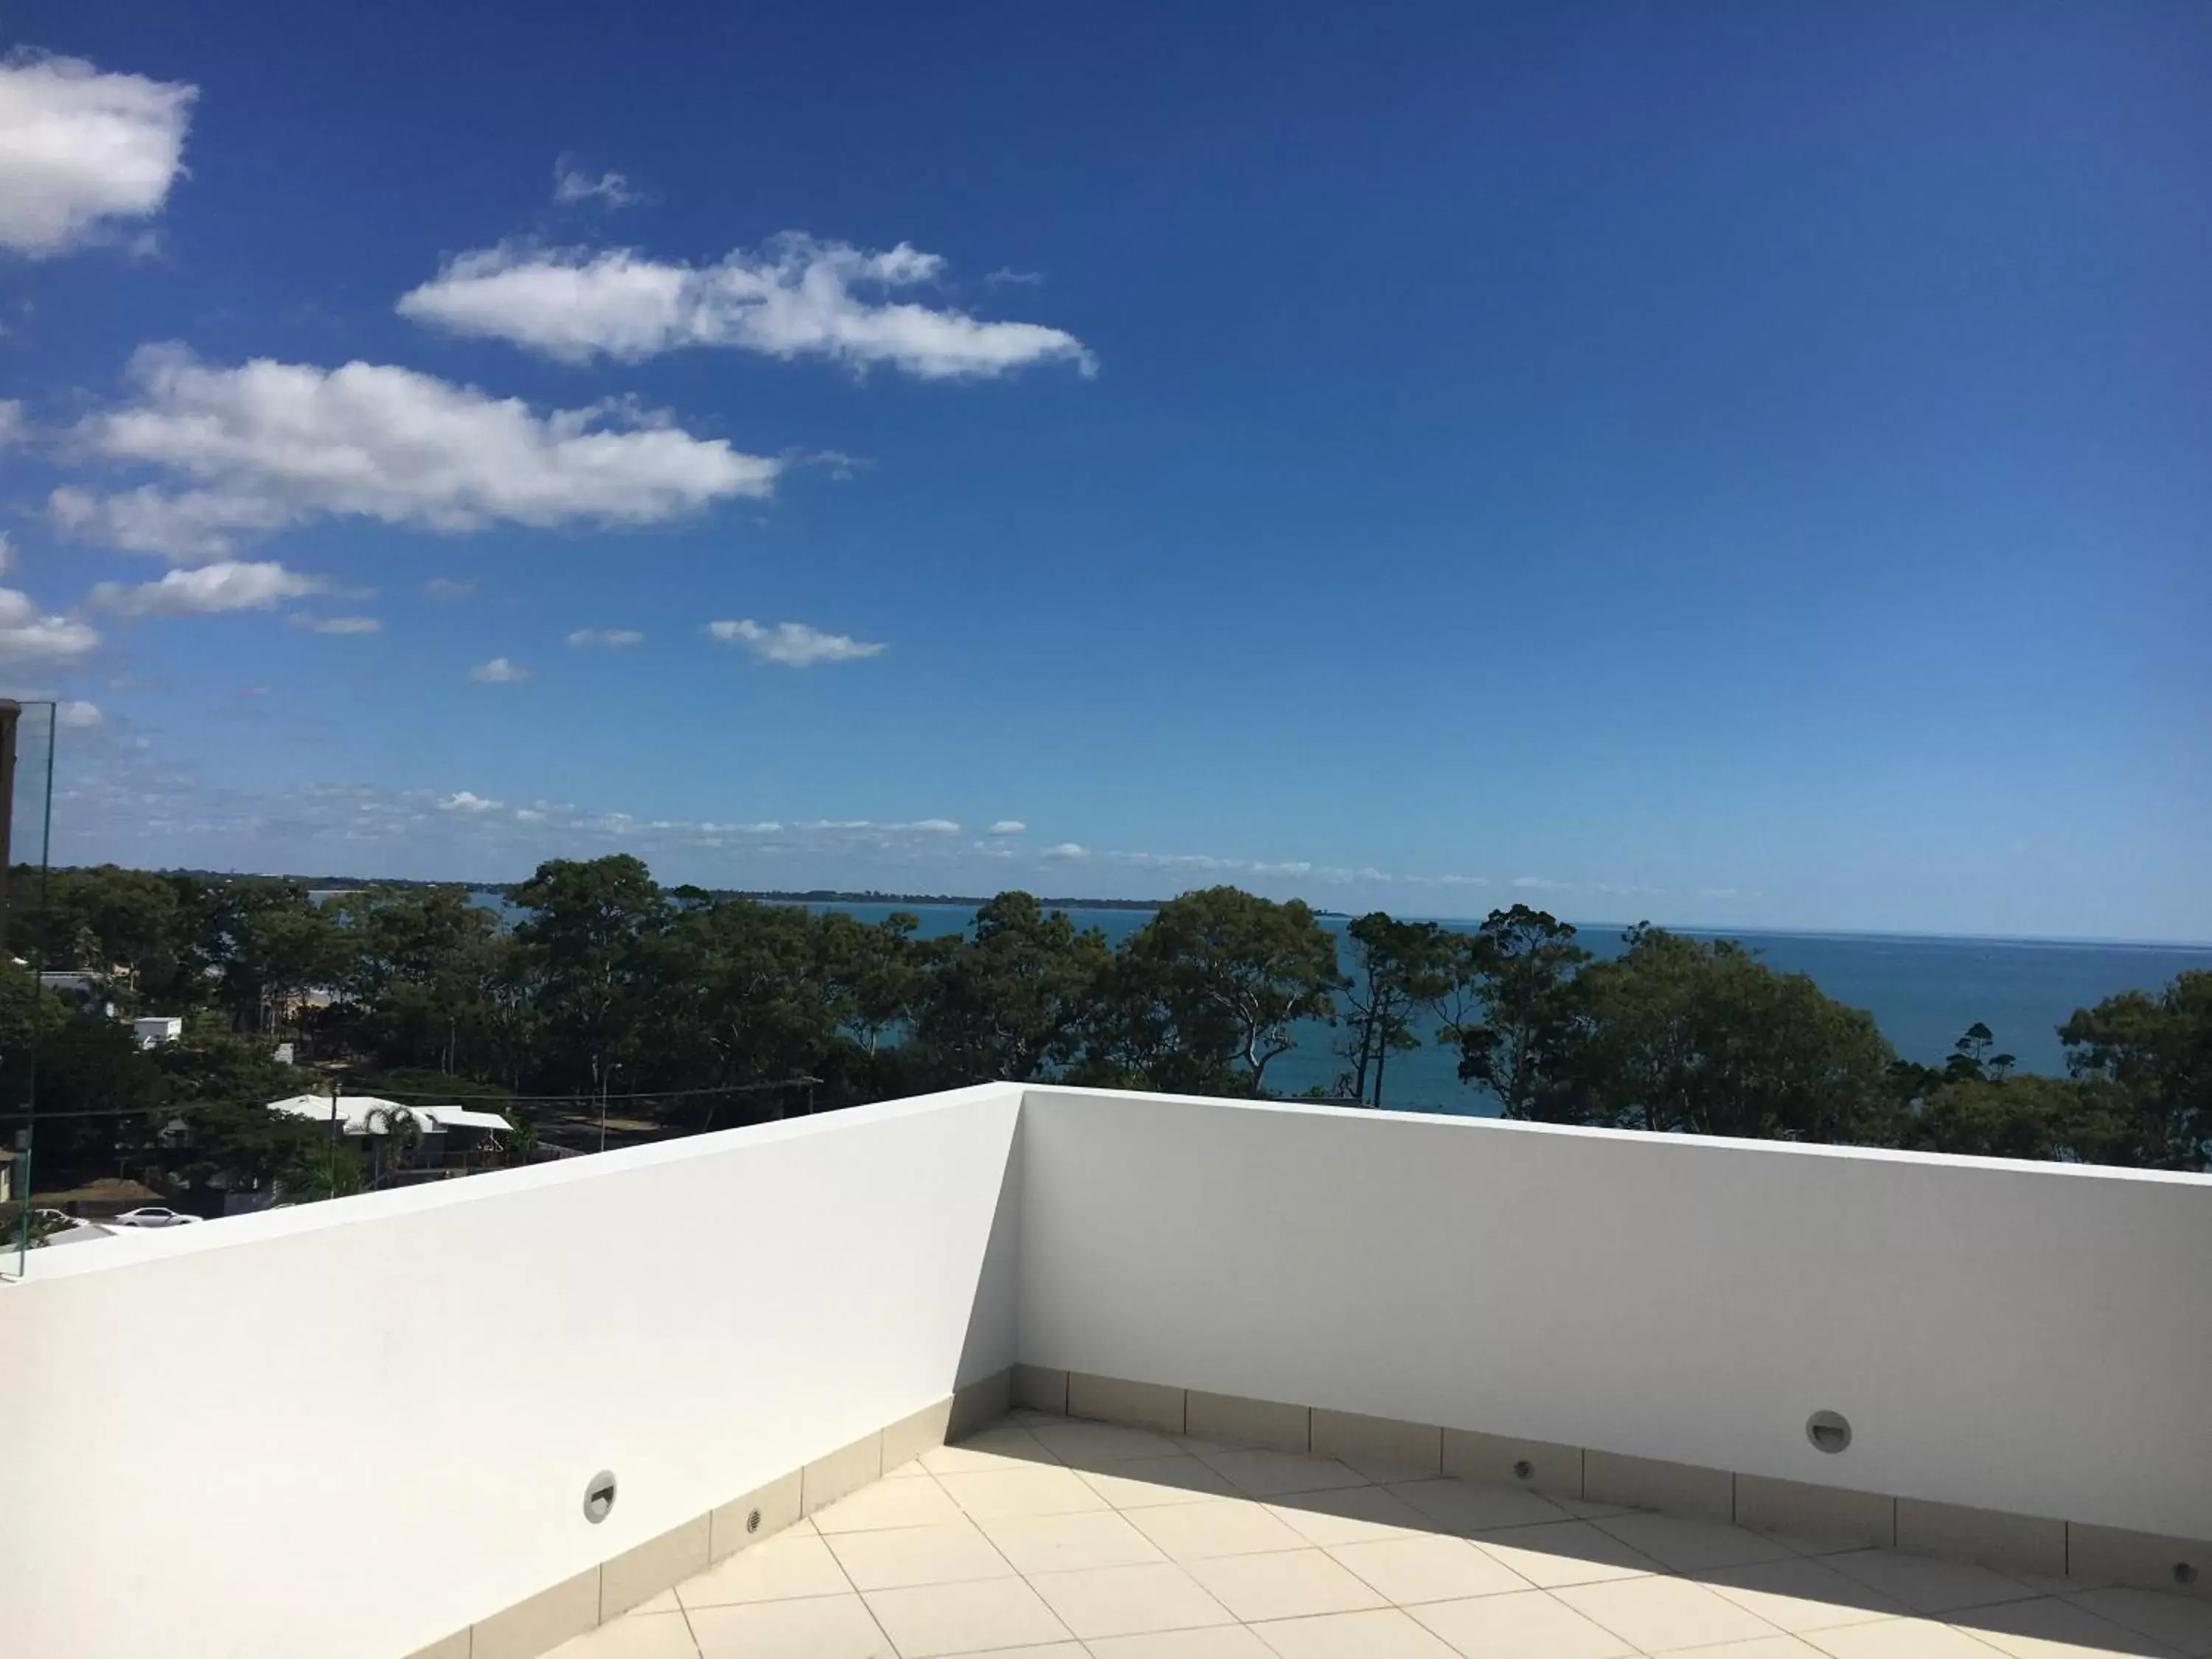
[1409, 1571]
[1387, 1634]
[1926, 1583]
[930, 1619]
[788, 1565]
[820, 1627]
[1284, 1584]
[1229, 1526]
[1128, 1601]
[1565, 1553]
[1530, 1624]
[1656, 1613]
[904, 1555]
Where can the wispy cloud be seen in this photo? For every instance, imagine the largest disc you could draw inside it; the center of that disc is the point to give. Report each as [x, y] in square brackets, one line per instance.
[499, 672]
[797, 297]
[446, 588]
[469, 802]
[572, 186]
[1008, 827]
[228, 585]
[82, 150]
[1069, 851]
[607, 638]
[267, 445]
[790, 644]
[337, 624]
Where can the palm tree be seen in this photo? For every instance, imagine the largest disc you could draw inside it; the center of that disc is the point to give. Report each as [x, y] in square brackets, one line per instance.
[397, 1130]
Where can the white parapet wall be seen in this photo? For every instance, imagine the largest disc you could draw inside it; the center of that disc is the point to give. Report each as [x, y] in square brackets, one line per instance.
[353, 1429]
[2028, 1337]
[349, 1429]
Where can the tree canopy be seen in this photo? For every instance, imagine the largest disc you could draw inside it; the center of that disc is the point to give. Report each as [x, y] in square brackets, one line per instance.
[699, 1012]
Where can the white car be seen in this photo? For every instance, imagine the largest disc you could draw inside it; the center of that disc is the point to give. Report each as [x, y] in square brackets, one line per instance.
[151, 1215]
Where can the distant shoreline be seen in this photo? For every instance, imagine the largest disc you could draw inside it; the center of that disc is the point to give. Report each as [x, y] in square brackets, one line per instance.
[780, 896]
[830, 895]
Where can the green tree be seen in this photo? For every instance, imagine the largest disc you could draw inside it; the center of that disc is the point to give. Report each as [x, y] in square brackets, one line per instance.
[130, 927]
[584, 931]
[266, 942]
[2157, 1049]
[1705, 1039]
[1220, 977]
[1011, 1001]
[875, 977]
[1400, 969]
[1971, 1106]
[1519, 1023]
[735, 995]
[96, 1093]
[419, 966]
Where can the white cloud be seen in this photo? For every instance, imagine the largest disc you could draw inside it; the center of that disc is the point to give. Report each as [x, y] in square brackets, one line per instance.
[1008, 827]
[499, 672]
[466, 801]
[572, 186]
[1541, 885]
[337, 624]
[230, 585]
[1068, 850]
[611, 638]
[797, 297]
[79, 715]
[445, 587]
[79, 149]
[14, 423]
[790, 644]
[267, 445]
[928, 826]
[7, 552]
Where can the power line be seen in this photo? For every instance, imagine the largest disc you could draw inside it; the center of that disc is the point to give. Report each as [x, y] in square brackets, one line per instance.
[443, 1099]
[586, 1100]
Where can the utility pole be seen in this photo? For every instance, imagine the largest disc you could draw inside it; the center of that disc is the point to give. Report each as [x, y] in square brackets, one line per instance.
[11, 713]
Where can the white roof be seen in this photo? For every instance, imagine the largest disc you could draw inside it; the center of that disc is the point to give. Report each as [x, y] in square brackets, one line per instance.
[460, 1117]
[355, 1113]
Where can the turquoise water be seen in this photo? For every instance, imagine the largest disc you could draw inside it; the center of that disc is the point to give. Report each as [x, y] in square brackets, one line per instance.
[1923, 991]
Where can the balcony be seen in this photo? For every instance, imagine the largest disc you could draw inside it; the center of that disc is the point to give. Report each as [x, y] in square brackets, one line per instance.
[1030, 1370]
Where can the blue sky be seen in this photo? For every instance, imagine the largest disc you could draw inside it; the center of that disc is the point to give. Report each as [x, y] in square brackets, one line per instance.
[1739, 464]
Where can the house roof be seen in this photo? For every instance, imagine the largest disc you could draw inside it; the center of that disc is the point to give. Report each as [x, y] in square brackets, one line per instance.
[364, 1115]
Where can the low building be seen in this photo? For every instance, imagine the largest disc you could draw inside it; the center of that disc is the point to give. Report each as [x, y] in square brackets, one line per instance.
[152, 1030]
[444, 1132]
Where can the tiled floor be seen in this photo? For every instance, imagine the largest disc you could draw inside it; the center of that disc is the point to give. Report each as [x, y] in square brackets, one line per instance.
[1044, 1537]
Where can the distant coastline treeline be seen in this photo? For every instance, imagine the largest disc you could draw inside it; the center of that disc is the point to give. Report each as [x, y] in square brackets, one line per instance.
[506, 889]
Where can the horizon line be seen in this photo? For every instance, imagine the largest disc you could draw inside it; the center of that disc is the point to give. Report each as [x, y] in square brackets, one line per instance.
[849, 895]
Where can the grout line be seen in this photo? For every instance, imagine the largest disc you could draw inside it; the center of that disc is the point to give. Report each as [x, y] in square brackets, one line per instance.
[685, 1613]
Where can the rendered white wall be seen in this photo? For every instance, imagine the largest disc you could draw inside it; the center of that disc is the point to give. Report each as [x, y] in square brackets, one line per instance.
[349, 1429]
[2030, 1338]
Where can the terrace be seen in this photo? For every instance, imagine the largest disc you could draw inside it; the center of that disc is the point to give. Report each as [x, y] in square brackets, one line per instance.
[1029, 1370]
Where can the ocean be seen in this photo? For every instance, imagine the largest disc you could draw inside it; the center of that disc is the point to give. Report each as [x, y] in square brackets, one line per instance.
[1922, 991]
